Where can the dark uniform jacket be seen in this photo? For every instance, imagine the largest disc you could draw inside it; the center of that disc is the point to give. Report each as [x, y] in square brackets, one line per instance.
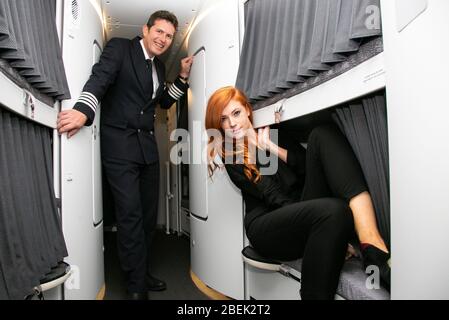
[123, 84]
[272, 191]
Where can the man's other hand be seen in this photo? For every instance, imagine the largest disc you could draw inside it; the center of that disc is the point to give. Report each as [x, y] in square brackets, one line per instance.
[70, 121]
[186, 64]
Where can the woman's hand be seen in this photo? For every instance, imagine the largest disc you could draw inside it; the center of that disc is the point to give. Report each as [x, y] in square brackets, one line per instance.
[264, 142]
[263, 138]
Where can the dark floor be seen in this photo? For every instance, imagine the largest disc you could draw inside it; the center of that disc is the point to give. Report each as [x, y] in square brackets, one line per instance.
[171, 264]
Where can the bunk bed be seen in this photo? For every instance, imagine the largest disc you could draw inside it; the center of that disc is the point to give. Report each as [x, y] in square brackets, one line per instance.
[32, 79]
[21, 98]
[31, 61]
[323, 61]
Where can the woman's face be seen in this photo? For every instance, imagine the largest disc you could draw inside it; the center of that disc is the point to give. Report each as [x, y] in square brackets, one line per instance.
[235, 120]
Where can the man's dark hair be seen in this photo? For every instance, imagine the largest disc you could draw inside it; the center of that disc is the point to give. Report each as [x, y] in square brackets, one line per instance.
[164, 15]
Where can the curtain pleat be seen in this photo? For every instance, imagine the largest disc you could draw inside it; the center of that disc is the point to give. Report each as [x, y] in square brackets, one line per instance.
[365, 126]
[55, 54]
[269, 83]
[18, 56]
[308, 9]
[343, 41]
[287, 42]
[264, 88]
[329, 55]
[289, 32]
[40, 47]
[31, 239]
[29, 42]
[7, 38]
[27, 66]
[362, 11]
[248, 53]
[265, 25]
[17, 277]
[42, 81]
[319, 32]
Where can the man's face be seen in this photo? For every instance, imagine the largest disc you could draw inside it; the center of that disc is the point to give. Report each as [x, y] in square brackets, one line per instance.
[159, 37]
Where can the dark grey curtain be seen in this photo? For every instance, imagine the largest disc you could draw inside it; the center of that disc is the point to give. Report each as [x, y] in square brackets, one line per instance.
[365, 126]
[29, 42]
[31, 239]
[288, 41]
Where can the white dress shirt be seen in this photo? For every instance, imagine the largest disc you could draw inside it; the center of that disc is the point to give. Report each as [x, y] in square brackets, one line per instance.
[154, 75]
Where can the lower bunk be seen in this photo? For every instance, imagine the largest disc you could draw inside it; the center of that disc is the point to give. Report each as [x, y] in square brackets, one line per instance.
[268, 279]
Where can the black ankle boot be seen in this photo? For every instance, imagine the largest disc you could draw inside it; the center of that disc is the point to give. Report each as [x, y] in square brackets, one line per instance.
[372, 255]
[155, 284]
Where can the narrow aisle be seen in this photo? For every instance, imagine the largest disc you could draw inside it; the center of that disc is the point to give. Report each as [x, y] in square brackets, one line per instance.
[171, 264]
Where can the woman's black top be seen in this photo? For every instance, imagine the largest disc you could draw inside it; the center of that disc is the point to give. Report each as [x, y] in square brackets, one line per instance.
[272, 191]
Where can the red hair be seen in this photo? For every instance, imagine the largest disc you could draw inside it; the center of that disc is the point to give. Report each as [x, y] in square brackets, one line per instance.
[215, 106]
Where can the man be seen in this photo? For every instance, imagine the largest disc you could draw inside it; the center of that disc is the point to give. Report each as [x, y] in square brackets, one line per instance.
[129, 81]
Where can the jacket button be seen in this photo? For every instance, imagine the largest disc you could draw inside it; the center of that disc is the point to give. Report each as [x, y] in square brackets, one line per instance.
[138, 130]
[141, 112]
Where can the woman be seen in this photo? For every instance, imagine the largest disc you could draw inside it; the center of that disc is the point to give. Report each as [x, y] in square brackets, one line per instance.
[309, 207]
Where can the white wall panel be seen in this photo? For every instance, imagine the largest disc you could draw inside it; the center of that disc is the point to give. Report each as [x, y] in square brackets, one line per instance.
[417, 68]
[198, 166]
[216, 243]
[80, 186]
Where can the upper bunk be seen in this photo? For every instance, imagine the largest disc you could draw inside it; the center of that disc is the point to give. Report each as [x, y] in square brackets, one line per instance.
[32, 75]
[359, 81]
[311, 50]
[32, 81]
[21, 98]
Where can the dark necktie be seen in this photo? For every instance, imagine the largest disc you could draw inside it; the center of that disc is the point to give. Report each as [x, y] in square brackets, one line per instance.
[150, 69]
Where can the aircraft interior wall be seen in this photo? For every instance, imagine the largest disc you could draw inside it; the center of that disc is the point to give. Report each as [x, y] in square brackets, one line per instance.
[215, 207]
[407, 78]
[81, 187]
